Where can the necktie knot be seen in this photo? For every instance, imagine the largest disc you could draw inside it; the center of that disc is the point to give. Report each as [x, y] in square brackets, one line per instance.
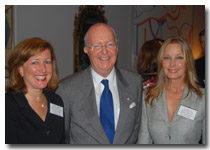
[105, 82]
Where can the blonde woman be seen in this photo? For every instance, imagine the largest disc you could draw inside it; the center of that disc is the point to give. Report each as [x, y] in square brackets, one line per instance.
[174, 109]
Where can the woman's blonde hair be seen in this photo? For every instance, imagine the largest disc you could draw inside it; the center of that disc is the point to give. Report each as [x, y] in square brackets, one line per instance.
[22, 52]
[190, 77]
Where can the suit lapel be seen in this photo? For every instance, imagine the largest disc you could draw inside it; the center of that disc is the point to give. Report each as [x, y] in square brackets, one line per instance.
[125, 101]
[26, 110]
[162, 106]
[161, 103]
[184, 101]
[90, 110]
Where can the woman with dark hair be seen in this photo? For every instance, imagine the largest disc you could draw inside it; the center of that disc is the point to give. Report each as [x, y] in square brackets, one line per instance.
[174, 108]
[34, 113]
[147, 62]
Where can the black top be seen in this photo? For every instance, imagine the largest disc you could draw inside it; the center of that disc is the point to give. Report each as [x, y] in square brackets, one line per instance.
[200, 69]
[24, 126]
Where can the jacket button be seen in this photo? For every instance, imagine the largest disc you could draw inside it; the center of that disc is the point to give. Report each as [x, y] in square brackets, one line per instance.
[48, 132]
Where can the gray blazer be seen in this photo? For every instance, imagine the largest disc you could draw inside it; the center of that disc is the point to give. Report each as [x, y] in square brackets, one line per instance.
[156, 128]
[82, 124]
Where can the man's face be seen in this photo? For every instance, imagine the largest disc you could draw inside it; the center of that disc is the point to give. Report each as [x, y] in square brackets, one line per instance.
[202, 42]
[102, 49]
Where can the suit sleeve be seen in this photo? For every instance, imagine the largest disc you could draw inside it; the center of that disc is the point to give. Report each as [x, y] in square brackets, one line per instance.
[204, 122]
[134, 136]
[203, 133]
[138, 117]
[144, 136]
[61, 92]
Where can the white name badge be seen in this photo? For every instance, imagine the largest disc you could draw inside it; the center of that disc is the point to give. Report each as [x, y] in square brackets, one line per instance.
[56, 110]
[187, 112]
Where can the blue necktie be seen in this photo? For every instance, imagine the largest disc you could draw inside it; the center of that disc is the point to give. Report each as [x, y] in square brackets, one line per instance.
[107, 111]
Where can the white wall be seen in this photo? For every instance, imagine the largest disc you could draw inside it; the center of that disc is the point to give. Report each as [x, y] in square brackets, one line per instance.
[119, 17]
[52, 23]
[56, 25]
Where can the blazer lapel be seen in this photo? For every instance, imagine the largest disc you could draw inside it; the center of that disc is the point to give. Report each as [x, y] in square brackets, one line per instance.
[26, 109]
[184, 101]
[124, 107]
[94, 126]
[161, 103]
[162, 106]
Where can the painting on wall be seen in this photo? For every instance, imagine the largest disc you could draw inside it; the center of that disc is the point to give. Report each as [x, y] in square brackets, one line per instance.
[88, 15]
[8, 35]
[162, 21]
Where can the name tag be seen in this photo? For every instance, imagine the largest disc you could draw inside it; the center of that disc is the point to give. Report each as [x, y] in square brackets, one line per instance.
[56, 110]
[187, 112]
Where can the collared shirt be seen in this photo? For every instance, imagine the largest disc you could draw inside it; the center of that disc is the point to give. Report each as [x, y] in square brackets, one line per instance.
[99, 87]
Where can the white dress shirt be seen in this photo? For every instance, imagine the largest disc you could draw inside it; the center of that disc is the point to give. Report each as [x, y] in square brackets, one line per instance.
[99, 87]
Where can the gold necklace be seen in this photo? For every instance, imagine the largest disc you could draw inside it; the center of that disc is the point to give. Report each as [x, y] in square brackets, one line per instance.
[40, 103]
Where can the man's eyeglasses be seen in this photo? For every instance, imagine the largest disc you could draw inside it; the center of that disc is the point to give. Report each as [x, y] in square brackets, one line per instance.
[109, 46]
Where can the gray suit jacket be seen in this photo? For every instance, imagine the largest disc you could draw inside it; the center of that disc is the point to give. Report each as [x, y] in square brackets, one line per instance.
[82, 124]
[156, 127]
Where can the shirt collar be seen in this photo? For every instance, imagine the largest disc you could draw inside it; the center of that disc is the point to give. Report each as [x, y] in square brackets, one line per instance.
[98, 78]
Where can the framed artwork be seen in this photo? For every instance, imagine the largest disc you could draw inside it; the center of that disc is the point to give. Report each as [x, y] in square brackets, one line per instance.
[88, 15]
[8, 35]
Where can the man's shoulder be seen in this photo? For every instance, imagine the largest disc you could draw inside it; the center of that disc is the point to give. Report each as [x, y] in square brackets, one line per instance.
[200, 60]
[128, 76]
[76, 77]
[128, 73]
[73, 76]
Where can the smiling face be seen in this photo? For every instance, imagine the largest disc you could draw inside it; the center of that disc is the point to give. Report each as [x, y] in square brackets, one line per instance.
[174, 66]
[102, 60]
[37, 71]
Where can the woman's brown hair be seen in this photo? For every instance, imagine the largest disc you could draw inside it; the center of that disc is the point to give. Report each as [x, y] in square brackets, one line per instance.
[22, 52]
[147, 59]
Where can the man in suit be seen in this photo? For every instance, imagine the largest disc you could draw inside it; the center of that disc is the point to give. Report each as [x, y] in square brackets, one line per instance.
[200, 63]
[82, 94]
